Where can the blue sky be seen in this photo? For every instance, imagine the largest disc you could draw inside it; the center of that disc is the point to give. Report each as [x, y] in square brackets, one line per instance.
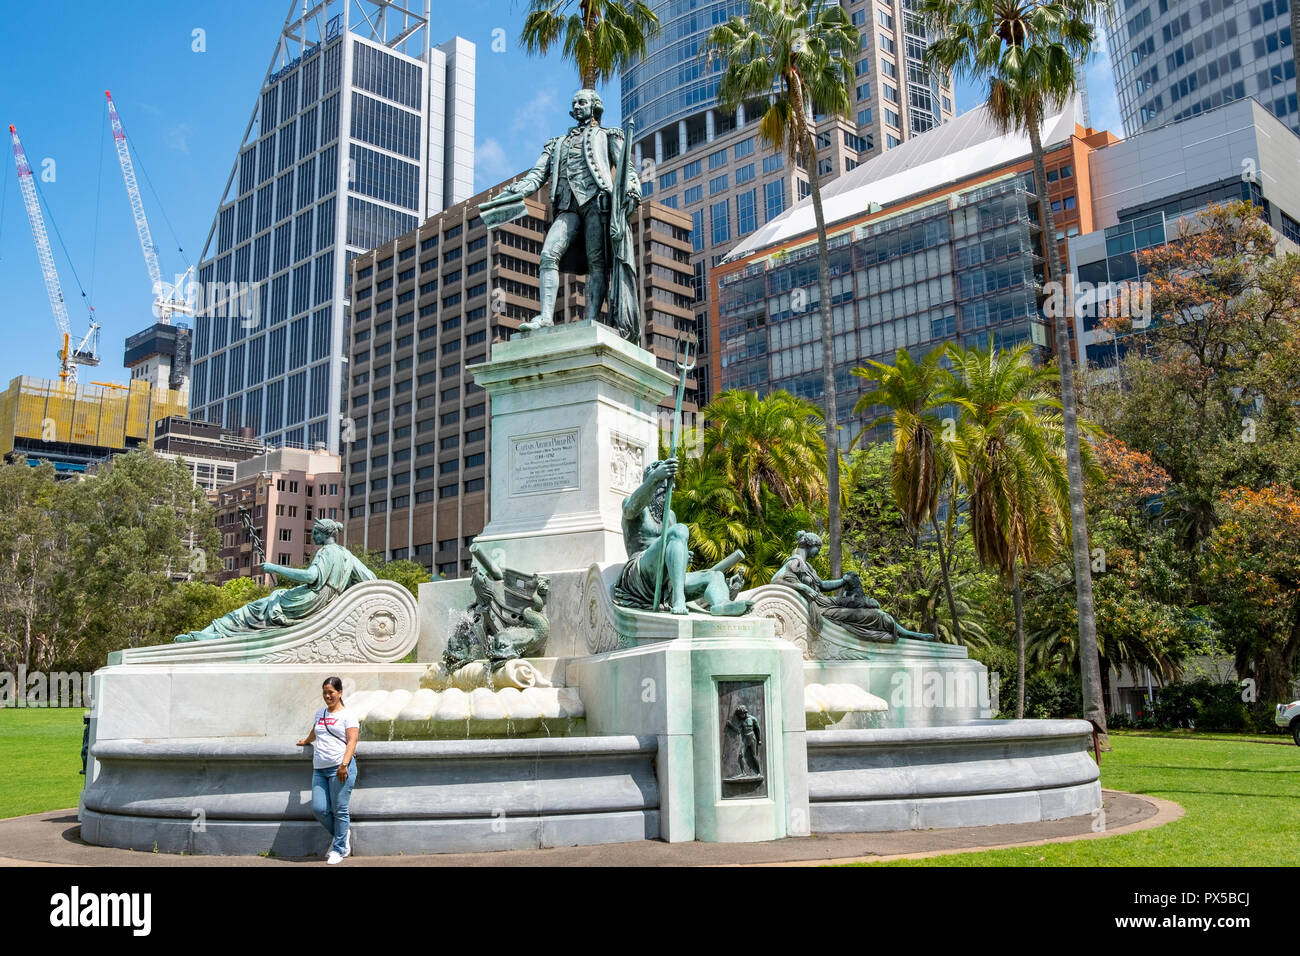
[185, 112]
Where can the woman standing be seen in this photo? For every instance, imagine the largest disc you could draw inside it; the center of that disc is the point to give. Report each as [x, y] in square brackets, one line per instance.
[334, 770]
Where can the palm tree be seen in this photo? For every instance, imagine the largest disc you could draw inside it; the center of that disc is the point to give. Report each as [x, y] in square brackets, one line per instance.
[1028, 50]
[1011, 465]
[600, 36]
[770, 443]
[756, 482]
[797, 56]
[921, 460]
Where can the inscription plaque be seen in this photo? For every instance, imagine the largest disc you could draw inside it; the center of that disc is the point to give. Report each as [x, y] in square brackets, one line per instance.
[544, 463]
[742, 747]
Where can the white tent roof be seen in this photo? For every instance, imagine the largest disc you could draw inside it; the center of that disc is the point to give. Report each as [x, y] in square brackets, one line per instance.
[957, 150]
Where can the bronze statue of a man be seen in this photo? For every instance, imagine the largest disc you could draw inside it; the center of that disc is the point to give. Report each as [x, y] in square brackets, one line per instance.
[593, 191]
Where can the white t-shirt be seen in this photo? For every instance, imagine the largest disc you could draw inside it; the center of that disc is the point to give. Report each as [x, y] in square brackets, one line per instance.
[331, 737]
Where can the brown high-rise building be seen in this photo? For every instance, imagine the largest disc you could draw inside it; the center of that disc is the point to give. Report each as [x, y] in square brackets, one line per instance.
[276, 497]
[425, 308]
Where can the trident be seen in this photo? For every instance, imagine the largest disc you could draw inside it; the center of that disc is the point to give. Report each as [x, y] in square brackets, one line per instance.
[686, 355]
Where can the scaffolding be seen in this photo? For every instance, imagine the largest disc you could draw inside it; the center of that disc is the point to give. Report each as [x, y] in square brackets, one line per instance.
[48, 418]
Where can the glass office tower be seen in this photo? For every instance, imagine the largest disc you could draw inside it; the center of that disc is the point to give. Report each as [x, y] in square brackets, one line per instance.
[1178, 58]
[362, 129]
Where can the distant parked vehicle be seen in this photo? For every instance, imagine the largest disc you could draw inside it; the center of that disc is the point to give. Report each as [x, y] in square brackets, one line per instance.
[1288, 716]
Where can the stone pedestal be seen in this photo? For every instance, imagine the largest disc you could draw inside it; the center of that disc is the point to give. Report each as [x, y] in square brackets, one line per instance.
[683, 692]
[574, 422]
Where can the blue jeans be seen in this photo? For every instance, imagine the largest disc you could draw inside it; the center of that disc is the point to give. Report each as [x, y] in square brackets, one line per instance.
[330, 799]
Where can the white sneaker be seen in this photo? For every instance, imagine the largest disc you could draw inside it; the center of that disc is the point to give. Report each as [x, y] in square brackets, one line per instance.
[333, 858]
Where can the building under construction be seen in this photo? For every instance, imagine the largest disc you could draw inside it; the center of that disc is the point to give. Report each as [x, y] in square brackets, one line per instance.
[74, 425]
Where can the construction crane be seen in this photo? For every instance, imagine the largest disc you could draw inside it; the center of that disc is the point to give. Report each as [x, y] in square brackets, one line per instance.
[166, 302]
[86, 352]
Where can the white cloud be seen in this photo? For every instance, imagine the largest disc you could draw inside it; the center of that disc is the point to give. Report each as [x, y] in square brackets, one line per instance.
[491, 165]
[178, 138]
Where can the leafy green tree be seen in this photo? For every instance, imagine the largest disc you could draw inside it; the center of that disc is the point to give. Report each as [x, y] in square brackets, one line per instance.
[1028, 51]
[770, 442]
[878, 539]
[1012, 464]
[600, 36]
[409, 574]
[1209, 395]
[1254, 569]
[797, 57]
[147, 527]
[39, 525]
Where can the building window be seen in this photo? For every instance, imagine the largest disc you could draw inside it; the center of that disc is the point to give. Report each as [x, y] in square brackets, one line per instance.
[774, 198]
[746, 212]
[720, 221]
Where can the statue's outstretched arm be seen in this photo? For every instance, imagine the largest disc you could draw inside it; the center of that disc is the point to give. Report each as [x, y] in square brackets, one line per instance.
[309, 575]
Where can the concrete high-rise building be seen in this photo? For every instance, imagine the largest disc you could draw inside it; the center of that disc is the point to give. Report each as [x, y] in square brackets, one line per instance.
[426, 309]
[1176, 58]
[267, 512]
[712, 164]
[362, 129]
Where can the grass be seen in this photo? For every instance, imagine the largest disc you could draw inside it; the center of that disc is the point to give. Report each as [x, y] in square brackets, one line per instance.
[40, 753]
[1239, 795]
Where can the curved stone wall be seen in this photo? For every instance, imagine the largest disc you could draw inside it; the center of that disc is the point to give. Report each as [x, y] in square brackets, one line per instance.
[233, 796]
[974, 774]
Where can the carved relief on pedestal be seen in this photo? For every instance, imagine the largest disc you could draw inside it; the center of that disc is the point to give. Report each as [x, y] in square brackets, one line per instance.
[626, 463]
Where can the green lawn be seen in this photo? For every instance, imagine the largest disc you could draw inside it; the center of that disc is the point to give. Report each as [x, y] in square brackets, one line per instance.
[1240, 796]
[40, 753]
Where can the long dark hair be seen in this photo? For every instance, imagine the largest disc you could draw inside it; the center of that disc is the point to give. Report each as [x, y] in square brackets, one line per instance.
[336, 683]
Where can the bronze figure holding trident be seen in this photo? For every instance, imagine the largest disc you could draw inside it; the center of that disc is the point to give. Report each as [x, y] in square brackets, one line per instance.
[659, 546]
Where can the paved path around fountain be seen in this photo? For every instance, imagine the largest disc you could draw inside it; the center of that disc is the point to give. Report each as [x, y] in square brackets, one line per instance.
[53, 839]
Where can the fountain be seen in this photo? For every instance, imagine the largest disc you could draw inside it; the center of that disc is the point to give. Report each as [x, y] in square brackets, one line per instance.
[614, 728]
[565, 705]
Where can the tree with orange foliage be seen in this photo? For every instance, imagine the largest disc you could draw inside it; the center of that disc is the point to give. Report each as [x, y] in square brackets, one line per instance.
[1208, 388]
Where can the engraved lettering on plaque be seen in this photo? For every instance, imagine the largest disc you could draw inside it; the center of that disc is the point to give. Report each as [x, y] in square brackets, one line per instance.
[544, 463]
[742, 722]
